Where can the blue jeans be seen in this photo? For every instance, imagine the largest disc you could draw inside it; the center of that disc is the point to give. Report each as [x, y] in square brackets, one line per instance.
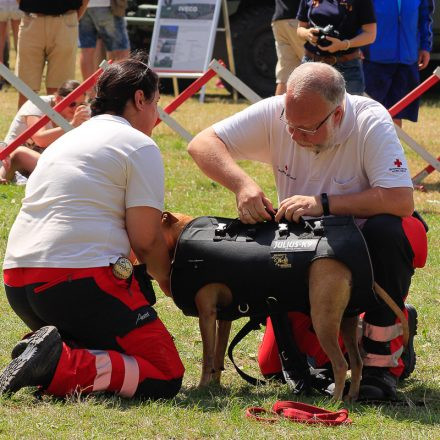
[352, 72]
[99, 22]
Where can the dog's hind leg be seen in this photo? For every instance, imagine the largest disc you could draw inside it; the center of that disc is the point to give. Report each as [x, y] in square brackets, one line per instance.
[349, 334]
[329, 293]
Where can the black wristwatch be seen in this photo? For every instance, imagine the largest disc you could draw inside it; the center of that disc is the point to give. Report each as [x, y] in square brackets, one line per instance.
[325, 205]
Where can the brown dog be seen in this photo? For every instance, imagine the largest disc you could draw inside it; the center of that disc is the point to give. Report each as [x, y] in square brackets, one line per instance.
[327, 313]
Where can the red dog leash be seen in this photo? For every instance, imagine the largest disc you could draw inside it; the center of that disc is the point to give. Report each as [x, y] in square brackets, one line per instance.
[299, 412]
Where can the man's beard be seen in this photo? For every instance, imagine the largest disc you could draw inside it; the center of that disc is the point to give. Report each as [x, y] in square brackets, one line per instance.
[317, 148]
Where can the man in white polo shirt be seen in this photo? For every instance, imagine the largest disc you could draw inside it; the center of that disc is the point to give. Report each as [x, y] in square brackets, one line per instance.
[331, 154]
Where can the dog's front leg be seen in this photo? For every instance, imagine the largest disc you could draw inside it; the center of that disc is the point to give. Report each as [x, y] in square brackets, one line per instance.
[207, 299]
[221, 343]
[329, 293]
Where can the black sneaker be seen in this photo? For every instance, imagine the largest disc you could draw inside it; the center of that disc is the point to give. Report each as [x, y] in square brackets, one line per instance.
[36, 365]
[19, 347]
[378, 384]
[409, 355]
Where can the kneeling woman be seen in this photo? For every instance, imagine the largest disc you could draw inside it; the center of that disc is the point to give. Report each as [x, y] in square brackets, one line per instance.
[97, 191]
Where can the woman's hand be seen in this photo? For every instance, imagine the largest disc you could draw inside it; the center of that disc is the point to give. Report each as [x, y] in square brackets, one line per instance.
[82, 114]
[336, 45]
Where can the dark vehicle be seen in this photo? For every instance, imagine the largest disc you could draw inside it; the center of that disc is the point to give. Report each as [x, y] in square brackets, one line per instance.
[252, 39]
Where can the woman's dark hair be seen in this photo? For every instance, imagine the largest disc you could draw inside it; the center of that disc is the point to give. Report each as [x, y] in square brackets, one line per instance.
[119, 82]
[67, 87]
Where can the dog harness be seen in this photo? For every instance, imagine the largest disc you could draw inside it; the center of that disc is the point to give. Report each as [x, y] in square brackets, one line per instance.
[266, 260]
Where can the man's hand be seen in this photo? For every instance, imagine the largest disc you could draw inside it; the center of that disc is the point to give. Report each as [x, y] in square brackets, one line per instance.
[295, 207]
[253, 206]
[335, 46]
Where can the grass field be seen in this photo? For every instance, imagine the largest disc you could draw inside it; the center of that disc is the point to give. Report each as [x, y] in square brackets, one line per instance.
[218, 412]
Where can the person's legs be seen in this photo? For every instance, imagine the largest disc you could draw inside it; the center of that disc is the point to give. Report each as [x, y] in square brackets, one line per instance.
[88, 35]
[23, 160]
[121, 44]
[290, 50]
[392, 259]
[124, 347]
[353, 75]
[3, 32]
[61, 50]
[31, 53]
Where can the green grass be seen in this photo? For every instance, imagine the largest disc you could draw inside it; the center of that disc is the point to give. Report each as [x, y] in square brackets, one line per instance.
[218, 412]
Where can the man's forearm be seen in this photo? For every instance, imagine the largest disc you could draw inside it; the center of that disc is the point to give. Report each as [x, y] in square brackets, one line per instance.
[374, 201]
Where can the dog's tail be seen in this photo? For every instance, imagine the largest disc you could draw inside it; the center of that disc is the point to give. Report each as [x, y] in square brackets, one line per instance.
[396, 309]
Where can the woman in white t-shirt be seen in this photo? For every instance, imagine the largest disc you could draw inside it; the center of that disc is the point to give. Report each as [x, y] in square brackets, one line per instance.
[24, 158]
[95, 193]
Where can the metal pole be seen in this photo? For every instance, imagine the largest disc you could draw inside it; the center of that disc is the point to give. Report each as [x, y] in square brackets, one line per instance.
[229, 47]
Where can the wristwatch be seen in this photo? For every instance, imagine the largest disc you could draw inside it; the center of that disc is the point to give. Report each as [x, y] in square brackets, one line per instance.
[325, 205]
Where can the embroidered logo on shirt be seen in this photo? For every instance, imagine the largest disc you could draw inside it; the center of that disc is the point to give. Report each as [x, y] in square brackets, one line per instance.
[398, 167]
[285, 171]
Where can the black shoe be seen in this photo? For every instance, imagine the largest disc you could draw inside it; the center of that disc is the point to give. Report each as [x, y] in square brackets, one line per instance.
[19, 347]
[36, 365]
[409, 355]
[378, 384]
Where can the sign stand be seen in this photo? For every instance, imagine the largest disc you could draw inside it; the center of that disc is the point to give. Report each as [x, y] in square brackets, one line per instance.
[183, 38]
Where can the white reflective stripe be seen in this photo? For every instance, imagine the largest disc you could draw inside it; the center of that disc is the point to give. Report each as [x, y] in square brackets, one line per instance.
[131, 376]
[103, 370]
[382, 334]
[381, 360]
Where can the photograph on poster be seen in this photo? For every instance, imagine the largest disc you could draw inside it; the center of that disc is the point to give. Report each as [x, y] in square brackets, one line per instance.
[187, 10]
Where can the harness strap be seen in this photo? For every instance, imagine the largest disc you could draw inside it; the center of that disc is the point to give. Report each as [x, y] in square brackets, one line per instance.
[253, 324]
[296, 370]
[299, 412]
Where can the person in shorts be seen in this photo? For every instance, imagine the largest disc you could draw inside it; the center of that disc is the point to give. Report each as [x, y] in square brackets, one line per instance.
[103, 20]
[402, 48]
[48, 34]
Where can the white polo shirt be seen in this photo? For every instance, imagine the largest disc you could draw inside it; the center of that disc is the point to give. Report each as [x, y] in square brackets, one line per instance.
[367, 152]
[73, 213]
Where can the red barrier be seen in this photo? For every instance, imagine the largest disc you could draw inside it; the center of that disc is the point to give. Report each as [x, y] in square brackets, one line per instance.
[414, 94]
[80, 90]
[193, 88]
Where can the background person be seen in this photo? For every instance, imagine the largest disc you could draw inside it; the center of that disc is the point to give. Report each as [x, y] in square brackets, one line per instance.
[356, 23]
[48, 34]
[402, 48]
[289, 46]
[104, 20]
[9, 13]
[95, 193]
[24, 158]
[332, 153]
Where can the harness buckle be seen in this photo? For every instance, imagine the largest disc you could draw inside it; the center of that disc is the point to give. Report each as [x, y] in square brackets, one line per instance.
[283, 229]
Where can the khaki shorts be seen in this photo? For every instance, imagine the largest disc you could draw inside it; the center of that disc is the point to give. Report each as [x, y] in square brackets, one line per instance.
[10, 15]
[290, 48]
[47, 38]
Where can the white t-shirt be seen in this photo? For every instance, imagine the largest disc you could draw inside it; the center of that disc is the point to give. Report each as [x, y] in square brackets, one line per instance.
[99, 4]
[367, 151]
[73, 213]
[18, 124]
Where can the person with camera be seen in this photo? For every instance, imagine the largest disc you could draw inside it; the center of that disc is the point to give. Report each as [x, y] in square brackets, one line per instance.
[333, 33]
[24, 158]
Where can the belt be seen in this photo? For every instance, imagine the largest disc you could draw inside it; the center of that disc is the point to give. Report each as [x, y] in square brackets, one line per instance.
[333, 59]
[39, 14]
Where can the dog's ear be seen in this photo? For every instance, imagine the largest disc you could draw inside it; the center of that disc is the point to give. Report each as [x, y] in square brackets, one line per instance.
[168, 219]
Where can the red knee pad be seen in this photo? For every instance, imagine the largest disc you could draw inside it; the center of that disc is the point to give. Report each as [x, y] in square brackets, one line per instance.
[416, 235]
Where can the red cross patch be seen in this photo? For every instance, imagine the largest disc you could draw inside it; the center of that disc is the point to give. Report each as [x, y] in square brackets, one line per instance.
[398, 163]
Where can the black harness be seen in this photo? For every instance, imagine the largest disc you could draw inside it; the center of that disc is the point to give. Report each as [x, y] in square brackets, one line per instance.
[261, 264]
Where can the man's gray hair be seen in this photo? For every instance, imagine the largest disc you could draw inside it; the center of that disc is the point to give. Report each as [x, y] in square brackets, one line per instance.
[318, 78]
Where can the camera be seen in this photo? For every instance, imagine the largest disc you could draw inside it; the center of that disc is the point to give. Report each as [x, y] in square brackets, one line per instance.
[328, 31]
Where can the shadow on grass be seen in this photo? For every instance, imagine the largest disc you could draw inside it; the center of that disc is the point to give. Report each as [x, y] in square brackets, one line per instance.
[422, 404]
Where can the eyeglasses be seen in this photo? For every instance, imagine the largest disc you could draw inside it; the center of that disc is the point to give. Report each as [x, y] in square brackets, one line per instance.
[303, 130]
[74, 104]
